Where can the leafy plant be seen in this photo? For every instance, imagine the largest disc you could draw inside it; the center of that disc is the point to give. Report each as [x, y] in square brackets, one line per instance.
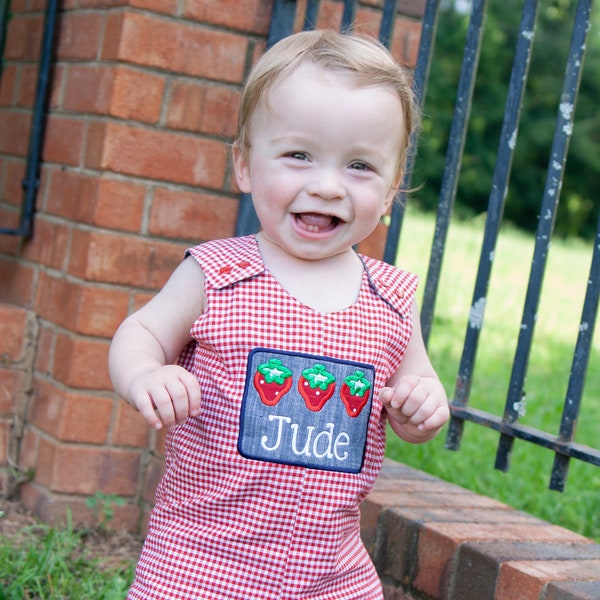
[52, 564]
[103, 506]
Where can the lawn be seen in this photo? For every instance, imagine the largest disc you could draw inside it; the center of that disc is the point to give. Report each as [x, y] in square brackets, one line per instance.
[525, 485]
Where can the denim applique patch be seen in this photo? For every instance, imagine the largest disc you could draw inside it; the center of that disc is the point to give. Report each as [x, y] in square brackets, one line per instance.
[305, 410]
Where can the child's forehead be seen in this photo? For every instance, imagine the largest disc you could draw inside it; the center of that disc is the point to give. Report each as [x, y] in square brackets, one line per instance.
[309, 75]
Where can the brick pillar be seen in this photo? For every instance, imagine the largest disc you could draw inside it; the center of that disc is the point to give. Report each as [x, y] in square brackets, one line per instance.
[136, 167]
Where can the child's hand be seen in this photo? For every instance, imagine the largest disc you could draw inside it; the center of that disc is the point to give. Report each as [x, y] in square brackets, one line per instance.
[417, 407]
[165, 396]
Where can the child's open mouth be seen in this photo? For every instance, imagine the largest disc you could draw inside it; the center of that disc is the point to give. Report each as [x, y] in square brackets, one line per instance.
[316, 222]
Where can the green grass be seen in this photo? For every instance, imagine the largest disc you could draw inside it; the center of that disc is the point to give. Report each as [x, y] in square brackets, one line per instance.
[525, 485]
[47, 563]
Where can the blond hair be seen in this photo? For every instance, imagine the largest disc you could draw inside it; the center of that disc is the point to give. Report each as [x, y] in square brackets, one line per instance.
[366, 60]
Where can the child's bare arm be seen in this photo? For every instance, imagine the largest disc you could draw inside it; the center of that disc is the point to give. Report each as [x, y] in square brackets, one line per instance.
[415, 399]
[149, 341]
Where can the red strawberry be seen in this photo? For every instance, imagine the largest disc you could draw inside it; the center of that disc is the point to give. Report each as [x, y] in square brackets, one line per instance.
[316, 386]
[272, 381]
[355, 393]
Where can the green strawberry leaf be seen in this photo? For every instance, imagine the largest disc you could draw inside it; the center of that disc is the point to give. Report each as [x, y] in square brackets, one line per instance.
[274, 371]
[318, 377]
[357, 383]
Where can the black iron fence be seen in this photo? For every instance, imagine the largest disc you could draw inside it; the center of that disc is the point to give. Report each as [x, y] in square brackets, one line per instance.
[508, 426]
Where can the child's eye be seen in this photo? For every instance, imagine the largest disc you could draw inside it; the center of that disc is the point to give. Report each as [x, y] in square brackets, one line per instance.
[360, 166]
[297, 155]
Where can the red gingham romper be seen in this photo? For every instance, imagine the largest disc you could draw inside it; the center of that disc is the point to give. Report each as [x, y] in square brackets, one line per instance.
[229, 527]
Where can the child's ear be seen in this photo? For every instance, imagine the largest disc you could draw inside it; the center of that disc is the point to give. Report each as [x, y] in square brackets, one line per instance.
[241, 167]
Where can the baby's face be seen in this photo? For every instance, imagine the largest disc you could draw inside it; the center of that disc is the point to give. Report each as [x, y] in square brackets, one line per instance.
[322, 162]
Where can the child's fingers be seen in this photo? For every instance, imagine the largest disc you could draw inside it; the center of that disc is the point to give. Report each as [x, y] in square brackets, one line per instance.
[192, 387]
[436, 420]
[146, 408]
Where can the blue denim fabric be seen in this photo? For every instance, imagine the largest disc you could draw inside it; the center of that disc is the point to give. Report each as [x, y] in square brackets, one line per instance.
[279, 423]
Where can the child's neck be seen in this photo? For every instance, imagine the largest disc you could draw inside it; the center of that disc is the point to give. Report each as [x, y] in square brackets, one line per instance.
[328, 285]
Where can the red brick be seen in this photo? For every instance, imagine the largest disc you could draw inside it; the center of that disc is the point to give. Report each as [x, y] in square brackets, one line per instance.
[71, 195]
[11, 189]
[253, 15]
[57, 300]
[178, 47]
[27, 85]
[101, 311]
[81, 363]
[50, 243]
[63, 141]
[17, 282]
[76, 469]
[130, 427]
[13, 383]
[525, 580]
[44, 350]
[80, 35]
[434, 559]
[103, 202]
[15, 322]
[157, 155]
[203, 108]
[438, 543]
[84, 309]
[186, 214]
[14, 133]
[119, 205]
[123, 260]
[68, 416]
[8, 84]
[117, 91]
[24, 36]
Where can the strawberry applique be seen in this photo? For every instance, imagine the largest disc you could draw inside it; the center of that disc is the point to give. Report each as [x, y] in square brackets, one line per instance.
[316, 386]
[272, 381]
[355, 393]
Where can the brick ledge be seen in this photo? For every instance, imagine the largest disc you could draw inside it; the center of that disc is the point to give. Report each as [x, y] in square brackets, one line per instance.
[433, 540]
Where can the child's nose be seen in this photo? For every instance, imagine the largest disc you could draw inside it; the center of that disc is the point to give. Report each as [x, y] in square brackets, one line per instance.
[327, 184]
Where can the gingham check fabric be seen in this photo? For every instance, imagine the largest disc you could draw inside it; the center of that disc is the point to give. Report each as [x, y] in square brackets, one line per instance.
[229, 527]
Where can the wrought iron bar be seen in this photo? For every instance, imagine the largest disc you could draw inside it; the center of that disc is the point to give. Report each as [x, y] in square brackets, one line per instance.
[454, 154]
[348, 16]
[388, 20]
[579, 367]
[31, 183]
[558, 158]
[311, 14]
[528, 434]
[508, 137]
[4, 18]
[426, 45]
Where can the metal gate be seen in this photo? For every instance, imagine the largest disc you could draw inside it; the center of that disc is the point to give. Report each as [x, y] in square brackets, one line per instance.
[285, 14]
